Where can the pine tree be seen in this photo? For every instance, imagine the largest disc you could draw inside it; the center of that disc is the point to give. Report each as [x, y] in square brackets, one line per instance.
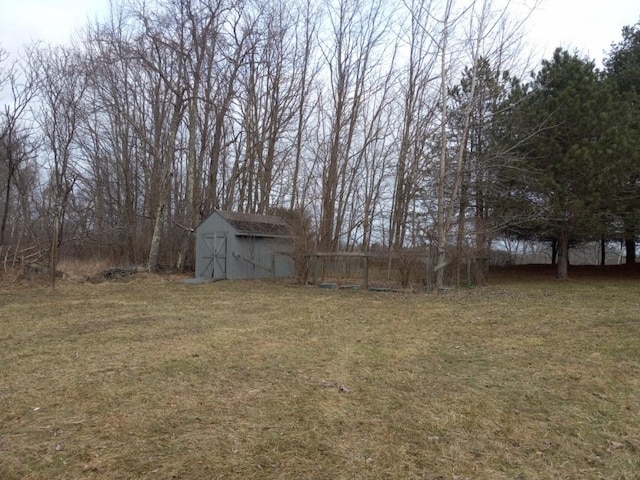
[565, 168]
[623, 72]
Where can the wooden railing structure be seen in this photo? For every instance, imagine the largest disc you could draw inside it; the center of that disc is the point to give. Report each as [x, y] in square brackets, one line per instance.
[316, 259]
[404, 263]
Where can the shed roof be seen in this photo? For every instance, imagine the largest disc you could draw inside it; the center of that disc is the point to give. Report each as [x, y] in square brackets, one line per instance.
[256, 225]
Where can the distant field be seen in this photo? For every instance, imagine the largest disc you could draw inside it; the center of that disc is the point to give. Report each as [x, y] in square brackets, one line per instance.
[153, 379]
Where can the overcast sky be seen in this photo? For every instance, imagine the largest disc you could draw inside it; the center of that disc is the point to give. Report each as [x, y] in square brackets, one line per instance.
[588, 25]
[50, 20]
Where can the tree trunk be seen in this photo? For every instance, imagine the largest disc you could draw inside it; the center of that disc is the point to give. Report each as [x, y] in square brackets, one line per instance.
[562, 269]
[154, 251]
[5, 212]
[630, 248]
[185, 244]
[55, 238]
[190, 200]
[442, 229]
[165, 181]
[446, 212]
[554, 252]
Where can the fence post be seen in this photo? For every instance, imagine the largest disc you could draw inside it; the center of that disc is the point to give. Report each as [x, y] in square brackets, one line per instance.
[314, 261]
[428, 273]
[366, 272]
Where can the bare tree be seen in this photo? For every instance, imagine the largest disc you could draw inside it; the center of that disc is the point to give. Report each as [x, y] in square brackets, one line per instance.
[221, 91]
[357, 31]
[483, 25]
[113, 180]
[16, 144]
[60, 80]
[417, 116]
[159, 49]
[307, 71]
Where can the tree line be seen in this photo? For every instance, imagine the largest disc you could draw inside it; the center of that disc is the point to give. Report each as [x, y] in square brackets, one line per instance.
[381, 124]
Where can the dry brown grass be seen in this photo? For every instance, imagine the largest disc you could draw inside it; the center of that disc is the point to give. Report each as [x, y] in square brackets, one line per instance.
[155, 379]
[84, 268]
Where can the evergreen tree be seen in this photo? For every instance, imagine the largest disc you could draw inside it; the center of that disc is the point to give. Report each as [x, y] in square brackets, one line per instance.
[563, 136]
[623, 72]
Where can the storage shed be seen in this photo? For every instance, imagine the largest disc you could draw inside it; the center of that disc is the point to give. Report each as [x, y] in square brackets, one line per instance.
[238, 246]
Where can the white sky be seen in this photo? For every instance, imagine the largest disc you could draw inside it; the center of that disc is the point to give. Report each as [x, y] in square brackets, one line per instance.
[53, 21]
[588, 25]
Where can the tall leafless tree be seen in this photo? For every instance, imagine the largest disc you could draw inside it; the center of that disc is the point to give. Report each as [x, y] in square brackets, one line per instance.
[16, 144]
[60, 77]
[356, 34]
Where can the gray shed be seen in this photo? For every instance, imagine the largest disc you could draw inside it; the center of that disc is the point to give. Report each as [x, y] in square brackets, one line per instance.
[238, 246]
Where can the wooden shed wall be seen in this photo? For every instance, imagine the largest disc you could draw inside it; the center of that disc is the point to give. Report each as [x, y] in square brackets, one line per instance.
[223, 252]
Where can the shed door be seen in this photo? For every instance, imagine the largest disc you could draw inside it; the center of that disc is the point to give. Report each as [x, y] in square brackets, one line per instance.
[215, 256]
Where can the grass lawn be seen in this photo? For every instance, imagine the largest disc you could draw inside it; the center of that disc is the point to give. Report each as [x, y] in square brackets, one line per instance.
[534, 379]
